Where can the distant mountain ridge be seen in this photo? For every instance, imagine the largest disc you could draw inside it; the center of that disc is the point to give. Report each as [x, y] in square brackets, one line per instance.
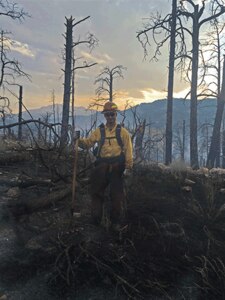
[42, 111]
[154, 112]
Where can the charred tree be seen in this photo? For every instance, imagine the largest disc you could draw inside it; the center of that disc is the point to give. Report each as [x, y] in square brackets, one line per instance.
[69, 72]
[197, 23]
[169, 115]
[105, 80]
[194, 86]
[223, 146]
[183, 141]
[12, 10]
[213, 66]
[139, 141]
[179, 140]
[20, 113]
[215, 141]
[188, 13]
[67, 81]
[3, 117]
[90, 42]
[10, 67]
[73, 93]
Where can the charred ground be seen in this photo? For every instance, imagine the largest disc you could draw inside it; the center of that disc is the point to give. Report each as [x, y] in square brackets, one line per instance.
[170, 246]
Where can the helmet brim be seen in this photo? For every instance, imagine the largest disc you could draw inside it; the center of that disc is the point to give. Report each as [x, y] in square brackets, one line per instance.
[107, 111]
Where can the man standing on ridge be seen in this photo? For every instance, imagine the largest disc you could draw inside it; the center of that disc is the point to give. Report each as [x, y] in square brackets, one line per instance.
[114, 157]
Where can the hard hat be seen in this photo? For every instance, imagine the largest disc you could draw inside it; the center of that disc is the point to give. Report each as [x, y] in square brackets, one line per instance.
[109, 106]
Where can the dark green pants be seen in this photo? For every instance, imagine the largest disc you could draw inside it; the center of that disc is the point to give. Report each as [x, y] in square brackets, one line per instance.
[104, 175]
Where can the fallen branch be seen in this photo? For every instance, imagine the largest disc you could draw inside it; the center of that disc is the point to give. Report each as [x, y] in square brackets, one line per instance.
[25, 183]
[32, 121]
[9, 157]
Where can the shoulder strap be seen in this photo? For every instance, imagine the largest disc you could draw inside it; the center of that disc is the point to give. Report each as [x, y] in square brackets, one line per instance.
[102, 138]
[118, 136]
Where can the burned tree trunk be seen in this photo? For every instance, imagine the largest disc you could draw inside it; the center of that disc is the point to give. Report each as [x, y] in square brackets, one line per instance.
[111, 87]
[194, 85]
[223, 148]
[169, 115]
[215, 142]
[20, 113]
[73, 94]
[69, 71]
[105, 80]
[139, 141]
[67, 81]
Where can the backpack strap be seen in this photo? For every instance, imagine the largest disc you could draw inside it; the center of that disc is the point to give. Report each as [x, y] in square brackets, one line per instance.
[118, 136]
[102, 139]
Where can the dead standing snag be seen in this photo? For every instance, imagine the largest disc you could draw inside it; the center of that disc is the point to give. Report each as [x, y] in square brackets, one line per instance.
[73, 205]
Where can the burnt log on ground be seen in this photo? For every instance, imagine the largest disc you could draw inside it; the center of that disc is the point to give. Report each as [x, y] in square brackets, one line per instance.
[25, 205]
[23, 183]
[11, 157]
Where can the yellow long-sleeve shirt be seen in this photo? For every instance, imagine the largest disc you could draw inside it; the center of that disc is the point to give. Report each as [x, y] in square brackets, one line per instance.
[111, 148]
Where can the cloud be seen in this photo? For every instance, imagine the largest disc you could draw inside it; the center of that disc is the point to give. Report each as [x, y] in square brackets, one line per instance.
[196, 2]
[182, 93]
[22, 48]
[99, 58]
[123, 99]
[82, 77]
[150, 95]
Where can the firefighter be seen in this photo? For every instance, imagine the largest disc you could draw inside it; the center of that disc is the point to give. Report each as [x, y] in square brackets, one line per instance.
[113, 159]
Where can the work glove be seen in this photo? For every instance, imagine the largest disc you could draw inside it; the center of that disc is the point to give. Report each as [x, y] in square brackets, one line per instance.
[77, 135]
[127, 173]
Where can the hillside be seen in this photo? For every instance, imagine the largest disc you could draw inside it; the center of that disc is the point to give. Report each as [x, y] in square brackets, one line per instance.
[154, 112]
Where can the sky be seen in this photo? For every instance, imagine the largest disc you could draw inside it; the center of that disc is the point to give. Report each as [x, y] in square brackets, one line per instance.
[39, 43]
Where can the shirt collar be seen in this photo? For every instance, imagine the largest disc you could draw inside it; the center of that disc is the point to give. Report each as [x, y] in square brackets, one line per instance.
[113, 128]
